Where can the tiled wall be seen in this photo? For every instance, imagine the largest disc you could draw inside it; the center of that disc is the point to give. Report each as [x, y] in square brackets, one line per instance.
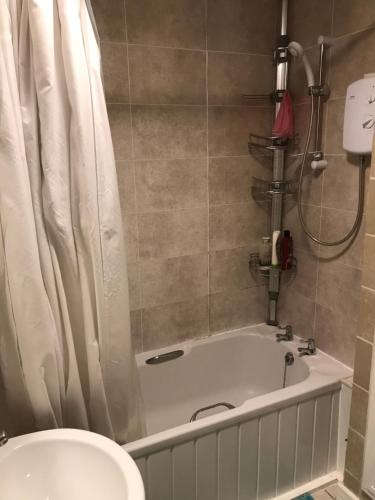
[363, 350]
[174, 73]
[322, 300]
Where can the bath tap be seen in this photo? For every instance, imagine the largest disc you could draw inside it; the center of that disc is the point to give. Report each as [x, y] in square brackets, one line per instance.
[287, 336]
[3, 438]
[309, 350]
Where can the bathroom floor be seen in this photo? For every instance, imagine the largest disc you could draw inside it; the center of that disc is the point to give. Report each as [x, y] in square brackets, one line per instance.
[333, 492]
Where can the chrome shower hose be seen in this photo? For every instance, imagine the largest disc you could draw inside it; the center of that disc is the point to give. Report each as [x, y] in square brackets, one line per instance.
[361, 194]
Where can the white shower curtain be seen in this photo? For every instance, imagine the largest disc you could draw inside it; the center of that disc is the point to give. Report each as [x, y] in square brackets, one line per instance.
[65, 350]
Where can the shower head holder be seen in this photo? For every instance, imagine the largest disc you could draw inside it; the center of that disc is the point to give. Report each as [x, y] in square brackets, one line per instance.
[296, 50]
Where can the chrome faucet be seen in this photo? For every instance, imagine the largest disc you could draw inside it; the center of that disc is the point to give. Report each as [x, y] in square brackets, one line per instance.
[3, 438]
[309, 350]
[286, 336]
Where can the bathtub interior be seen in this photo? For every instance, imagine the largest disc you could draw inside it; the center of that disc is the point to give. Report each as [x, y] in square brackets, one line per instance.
[225, 368]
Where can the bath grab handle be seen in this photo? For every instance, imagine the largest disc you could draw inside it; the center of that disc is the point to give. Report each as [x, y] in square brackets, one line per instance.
[196, 413]
[162, 358]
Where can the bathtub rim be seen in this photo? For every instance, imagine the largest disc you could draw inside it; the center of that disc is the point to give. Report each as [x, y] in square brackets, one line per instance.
[316, 383]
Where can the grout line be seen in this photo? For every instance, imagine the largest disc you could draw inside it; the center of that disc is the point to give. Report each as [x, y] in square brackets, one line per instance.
[360, 388]
[324, 142]
[365, 341]
[207, 178]
[186, 105]
[345, 35]
[356, 432]
[206, 49]
[140, 294]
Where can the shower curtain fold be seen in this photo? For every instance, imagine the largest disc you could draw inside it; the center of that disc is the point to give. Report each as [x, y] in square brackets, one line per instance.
[65, 328]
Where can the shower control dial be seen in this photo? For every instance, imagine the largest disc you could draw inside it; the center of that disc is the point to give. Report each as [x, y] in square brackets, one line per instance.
[368, 122]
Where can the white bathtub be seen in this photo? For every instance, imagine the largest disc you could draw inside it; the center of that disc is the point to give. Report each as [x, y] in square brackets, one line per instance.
[275, 439]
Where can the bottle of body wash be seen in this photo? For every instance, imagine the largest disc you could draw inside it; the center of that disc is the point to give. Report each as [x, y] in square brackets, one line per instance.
[286, 251]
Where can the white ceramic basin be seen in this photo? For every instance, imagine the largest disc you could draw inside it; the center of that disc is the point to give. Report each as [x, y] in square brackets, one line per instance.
[67, 464]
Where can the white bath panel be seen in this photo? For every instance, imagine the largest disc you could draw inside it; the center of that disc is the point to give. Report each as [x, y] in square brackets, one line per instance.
[268, 439]
[287, 448]
[228, 463]
[305, 439]
[248, 460]
[184, 470]
[206, 459]
[159, 476]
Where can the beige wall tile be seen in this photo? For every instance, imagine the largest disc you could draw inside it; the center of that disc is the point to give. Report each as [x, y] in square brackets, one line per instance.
[229, 128]
[229, 270]
[171, 184]
[334, 129]
[335, 224]
[232, 75]
[370, 213]
[172, 323]
[233, 226]
[335, 334]
[362, 365]
[312, 182]
[163, 132]
[167, 76]
[241, 26]
[352, 483]
[308, 20]
[354, 455]
[237, 308]
[350, 60]
[298, 311]
[173, 234]
[115, 71]
[366, 325]
[126, 185]
[368, 277]
[339, 288]
[136, 330]
[231, 179]
[171, 23]
[340, 183]
[174, 280]
[131, 237]
[110, 19]
[369, 255]
[134, 286]
[358, 411]
[352, 16]
[120, 122]
[291, 222]
[302, 113]
[303, 280]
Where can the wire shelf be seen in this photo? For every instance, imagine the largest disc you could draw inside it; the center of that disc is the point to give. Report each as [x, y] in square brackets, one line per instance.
[269, 188]
[260, 271]
[271, 144]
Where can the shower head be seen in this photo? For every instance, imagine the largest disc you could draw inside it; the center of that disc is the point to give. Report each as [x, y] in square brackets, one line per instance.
[296, 50]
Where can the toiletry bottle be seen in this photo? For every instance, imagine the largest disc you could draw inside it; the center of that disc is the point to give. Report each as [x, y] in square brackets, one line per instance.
[286, 251]
[265, 251]
[275, 250]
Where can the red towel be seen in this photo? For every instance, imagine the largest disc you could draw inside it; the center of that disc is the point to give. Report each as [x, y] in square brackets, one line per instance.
[284, 123]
